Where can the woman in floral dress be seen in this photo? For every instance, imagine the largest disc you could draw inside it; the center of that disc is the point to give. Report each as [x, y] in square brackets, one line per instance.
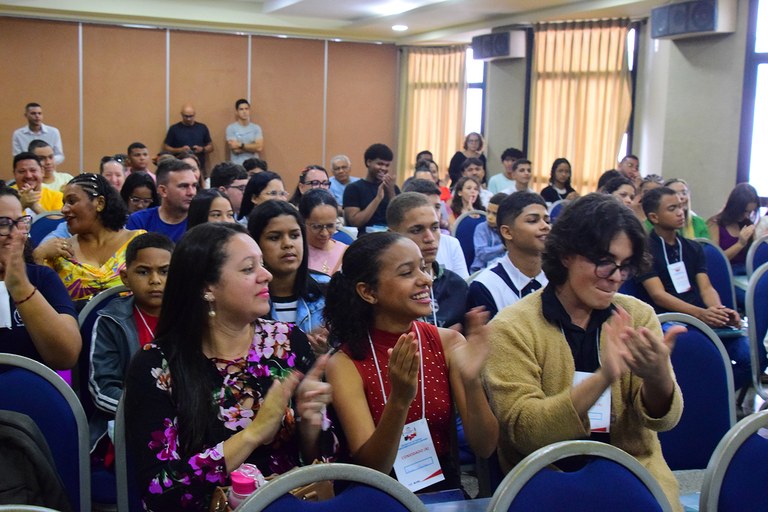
[220, 386]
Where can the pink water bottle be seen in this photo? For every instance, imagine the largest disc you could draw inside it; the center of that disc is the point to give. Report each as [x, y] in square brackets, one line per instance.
[245, 479]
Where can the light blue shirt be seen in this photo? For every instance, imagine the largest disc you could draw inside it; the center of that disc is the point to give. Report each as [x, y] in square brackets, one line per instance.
[245, 135]
[337, 188]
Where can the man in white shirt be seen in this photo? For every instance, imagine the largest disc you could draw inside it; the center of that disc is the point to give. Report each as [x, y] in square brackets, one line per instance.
[521, 170]
[35, 129]
[244, 138]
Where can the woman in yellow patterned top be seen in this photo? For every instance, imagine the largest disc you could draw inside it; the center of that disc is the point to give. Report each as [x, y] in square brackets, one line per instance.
[91, 260]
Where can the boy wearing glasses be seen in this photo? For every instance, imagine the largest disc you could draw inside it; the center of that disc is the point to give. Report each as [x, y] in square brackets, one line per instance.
[523, 223]
[678, 281]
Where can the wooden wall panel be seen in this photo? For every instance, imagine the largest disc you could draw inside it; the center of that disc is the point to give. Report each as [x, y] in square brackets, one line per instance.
[287, 101]
[39, 64]
[362, 92]
[123, 90]
[211, 72]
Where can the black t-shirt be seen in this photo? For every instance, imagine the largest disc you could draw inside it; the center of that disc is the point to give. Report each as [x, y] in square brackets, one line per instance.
[360, 194]
[693, 259]
[181, 134]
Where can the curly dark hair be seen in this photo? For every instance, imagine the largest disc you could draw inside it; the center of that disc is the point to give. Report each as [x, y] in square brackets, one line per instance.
[115, 212]
[586, 227]
[347, 316]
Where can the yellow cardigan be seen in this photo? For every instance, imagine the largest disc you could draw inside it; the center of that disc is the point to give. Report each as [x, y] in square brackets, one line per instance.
[529, 376]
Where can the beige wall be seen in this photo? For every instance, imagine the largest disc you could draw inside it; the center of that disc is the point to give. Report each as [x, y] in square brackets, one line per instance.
[124, 90]
[504, 109]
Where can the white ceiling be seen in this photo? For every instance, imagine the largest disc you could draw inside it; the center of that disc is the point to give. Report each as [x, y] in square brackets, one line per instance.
[429, 21]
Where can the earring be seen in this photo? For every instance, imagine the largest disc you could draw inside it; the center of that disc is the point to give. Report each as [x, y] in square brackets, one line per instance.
[209, 299]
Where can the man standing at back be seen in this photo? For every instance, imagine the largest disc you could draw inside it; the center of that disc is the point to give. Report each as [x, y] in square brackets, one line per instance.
[176, 185]
[244, 138]
[189, 135]
[366, 200]
[35, 129]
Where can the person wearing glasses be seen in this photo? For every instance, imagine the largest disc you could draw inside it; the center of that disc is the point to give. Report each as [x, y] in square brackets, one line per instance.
[189, 135]
[113, 170]
[231, 179]
[261, 187]
[319, 208]
[37, 317]
[313, 176]
[139, 192]
[52, 179]
[577, 360]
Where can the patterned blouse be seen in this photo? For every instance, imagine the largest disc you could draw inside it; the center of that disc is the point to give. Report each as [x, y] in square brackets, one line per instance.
[172, 480]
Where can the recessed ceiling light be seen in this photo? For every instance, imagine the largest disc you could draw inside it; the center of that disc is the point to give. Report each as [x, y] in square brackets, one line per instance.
[281, 36]
[399, 28]
[336, 40]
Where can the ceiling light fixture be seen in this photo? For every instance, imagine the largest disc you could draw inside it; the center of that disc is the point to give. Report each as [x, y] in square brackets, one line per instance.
[399, 28]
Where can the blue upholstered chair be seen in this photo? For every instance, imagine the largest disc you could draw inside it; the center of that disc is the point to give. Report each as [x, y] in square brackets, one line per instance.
[464, 230]
[557, 208]
[611, 479]
[42, 224]
[344, 236]
[719, 272]
[128, 496]
[757, 254]
[736, 475]
[376, 492]
[757, 312]
[34, 389]
[703, 371]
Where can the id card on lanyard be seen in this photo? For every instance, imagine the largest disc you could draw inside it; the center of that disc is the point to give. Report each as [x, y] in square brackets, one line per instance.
[416, 465]
[600, 412]
[677, 272]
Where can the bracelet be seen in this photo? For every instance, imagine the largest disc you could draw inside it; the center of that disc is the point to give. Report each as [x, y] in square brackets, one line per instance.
[27, 297]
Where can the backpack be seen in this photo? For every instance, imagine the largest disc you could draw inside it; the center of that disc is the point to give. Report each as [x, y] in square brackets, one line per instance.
[28, 475]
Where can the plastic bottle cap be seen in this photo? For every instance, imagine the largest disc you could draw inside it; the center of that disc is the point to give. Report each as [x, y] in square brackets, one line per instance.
[242, 484]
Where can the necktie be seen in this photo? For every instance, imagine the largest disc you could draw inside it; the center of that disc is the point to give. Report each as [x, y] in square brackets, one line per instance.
[530, 288]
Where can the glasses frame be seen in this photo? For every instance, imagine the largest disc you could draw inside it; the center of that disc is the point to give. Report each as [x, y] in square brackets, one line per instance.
[626, 271]
[318, 228]
[24, 219]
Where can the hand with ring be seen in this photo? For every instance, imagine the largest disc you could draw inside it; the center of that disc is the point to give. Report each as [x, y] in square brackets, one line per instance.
[53, 249]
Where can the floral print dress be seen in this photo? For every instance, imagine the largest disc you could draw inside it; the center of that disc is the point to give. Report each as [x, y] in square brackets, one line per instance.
[171, 481]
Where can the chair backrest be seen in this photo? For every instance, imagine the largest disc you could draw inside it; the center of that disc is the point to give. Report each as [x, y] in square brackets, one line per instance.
[719, 271]
[736, 475]
[757, 313]
[25, 508]
[128, 496]
[710, 409]
[557, 208]
[378, 492]
[42, 224]
[757, 254]
[344, 236]
[34, 389]
[610, 480]
[464, 230]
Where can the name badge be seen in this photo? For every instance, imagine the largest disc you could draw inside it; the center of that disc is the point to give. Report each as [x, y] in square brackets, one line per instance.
[679, 277]
[600, 413]
[416, 465]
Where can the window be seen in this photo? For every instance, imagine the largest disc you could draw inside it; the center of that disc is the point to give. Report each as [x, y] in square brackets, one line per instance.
[632, 48]
[475, 95]
[753, 152]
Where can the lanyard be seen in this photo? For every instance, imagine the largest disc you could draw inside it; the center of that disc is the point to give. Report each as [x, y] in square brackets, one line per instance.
[664, 247]
[421, 373]
[141, 315]
[434, 313]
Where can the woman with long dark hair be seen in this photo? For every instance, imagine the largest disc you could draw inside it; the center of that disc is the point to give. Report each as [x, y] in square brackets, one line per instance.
[209, 205]
[139, 192]
[733, 228]
[466, 197]
[261, 187]
[220, 386]
[559, 187]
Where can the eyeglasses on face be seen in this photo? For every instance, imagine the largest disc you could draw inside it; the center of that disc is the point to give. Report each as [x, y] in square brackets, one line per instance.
[113, 158]
[318, 184]
[276, 193]
[140, 201]
[23, 224]
[241, 188]
[604, 269]
[318, 228]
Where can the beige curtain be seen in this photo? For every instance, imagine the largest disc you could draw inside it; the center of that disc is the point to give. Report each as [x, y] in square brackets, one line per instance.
[581, 100]
[432, 90]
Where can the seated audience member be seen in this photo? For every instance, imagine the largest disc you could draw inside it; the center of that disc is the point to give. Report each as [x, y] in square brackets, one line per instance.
[52, 178]
[650, 182]
[420, 172]
[424, 155]
[341, 167]
[523, 222]
[113, 170]
[139, 192]
[677, 280]
[231, 179]
[210, 205]
[297, 294]
[394, 372]
[605, 178]
[36, 312]
[622, 189]
[505, 179]
[445, 192]
[139, 160]
[261, 187]
[695, 226]
[318, 208]
[254, 166]
[473, 168]
[449, 252]
[194, 162]
[466, 198]
[90, 260]
[313, 176]
[733, 228]
[522, 175]
[365, 201]
[629, 167]
[126, 324]
[223, 386]
[411, 215]
[488, 244]
[29, 182]
[472, 148]
[559, 187]
[559, 354]
[176, 185]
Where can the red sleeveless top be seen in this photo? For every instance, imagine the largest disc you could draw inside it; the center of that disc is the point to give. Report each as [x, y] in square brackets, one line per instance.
[436, 385]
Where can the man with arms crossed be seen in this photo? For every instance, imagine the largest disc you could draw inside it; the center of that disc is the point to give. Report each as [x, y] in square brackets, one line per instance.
[244, 138]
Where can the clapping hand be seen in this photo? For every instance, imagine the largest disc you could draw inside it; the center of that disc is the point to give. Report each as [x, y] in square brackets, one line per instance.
[470, 356]
[313, 395]
[404, 369]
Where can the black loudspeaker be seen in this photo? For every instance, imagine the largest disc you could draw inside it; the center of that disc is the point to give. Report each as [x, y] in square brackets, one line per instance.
[499, 45]
[693, 18]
